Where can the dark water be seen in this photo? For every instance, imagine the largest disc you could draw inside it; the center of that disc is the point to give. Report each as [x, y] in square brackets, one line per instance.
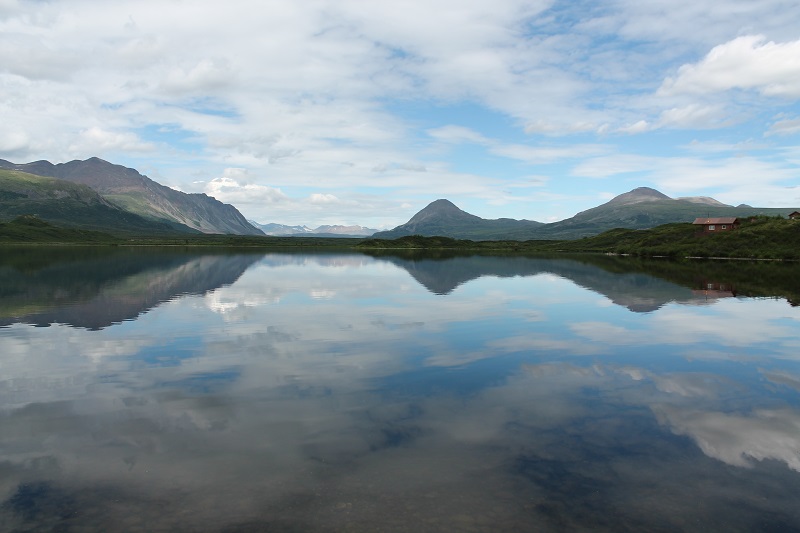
[230, 392]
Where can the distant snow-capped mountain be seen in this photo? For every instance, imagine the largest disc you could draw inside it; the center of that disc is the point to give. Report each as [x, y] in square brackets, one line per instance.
[278, 230]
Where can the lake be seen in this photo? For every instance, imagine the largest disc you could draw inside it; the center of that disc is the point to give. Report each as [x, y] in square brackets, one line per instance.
[179, 390]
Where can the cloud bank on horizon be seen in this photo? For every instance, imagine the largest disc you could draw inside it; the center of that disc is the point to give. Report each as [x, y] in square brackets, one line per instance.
[356, 111]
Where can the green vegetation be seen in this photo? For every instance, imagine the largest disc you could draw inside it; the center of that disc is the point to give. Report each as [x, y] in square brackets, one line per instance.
[66, 204]
[641, 208]
[758, 238]
[143, 201]
[30, 229]
[643, 215]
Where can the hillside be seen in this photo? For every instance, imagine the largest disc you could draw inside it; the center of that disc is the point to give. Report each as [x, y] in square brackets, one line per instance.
[443, 218]
[140, 195]
[640, 208]
[71, 205]
[758, 237]
[30, 229]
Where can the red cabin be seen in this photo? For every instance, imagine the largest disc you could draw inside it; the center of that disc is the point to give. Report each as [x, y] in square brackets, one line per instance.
[713, 225]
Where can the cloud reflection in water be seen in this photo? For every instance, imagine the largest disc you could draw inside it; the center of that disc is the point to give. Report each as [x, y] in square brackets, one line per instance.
[513, 402]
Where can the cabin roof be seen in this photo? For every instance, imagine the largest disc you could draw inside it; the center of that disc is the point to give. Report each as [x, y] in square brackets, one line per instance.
[719, 220]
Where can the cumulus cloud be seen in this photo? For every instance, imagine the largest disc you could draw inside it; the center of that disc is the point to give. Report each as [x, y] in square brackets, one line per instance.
[747, 62]
[331, 93]
[228, 190]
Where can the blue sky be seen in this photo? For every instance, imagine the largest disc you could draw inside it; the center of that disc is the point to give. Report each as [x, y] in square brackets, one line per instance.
[363, 112]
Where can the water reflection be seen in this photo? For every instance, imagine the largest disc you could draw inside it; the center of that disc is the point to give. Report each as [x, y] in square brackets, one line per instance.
[334, 392]
[639, 285]
[96, 287]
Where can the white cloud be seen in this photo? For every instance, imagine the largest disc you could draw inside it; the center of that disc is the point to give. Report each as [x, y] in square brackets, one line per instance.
[737, 179]
[315, 97]
[785, 127]
[533, 154]
[99, 140]
[637, 127]
[554, 127]
[458, 134]
[747, 62]
[610, 165]
[693, 116]
[206, 75]
[13, 141]
[228, 190]
[318, 198]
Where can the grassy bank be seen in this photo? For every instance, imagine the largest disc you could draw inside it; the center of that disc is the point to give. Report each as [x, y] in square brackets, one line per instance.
[757, 238]
[28, 229]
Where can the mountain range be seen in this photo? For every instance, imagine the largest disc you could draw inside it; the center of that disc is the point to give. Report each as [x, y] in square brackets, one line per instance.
[640, 208]
[282, 230]
[96, 194]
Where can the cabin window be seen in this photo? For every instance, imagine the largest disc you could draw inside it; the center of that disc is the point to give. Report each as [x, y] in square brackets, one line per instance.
[712, 227]
[724, 226]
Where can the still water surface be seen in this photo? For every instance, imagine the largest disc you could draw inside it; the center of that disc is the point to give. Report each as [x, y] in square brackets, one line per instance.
[187, 391]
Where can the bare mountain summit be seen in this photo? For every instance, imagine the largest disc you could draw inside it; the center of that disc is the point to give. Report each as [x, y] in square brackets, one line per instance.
[639, 195]
[439, 211]
[704, 200]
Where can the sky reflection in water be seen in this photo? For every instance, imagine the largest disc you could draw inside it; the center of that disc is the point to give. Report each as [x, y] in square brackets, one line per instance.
[338, 392]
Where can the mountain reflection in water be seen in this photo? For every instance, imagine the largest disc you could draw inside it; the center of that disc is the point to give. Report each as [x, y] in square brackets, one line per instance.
[96, 288]
[641, 286]
[189, 391]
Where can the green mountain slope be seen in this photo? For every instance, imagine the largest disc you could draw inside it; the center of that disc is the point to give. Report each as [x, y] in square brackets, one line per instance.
[71, 205]
[139, 194]
[640, 208]
[758, 237]
[29, 229]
